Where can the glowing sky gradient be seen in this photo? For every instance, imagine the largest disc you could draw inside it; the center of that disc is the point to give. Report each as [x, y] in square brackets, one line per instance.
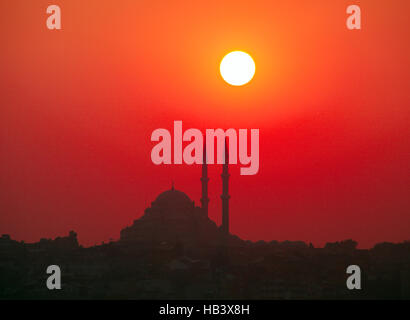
[78, 106]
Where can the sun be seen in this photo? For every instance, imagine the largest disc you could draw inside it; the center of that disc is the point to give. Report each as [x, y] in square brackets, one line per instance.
[237, 68]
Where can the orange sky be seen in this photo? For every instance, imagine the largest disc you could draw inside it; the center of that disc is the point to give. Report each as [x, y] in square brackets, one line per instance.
[78, 107]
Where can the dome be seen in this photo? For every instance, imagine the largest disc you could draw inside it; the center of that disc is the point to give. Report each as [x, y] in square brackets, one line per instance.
[172, 198]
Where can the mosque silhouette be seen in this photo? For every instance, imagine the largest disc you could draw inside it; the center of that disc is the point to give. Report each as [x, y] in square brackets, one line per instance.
[174, 217]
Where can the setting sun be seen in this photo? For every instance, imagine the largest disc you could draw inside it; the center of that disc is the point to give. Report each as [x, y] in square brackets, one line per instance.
[237, 68]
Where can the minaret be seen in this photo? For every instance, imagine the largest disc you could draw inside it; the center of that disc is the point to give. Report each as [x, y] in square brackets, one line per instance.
[204, 180]
[225, 192]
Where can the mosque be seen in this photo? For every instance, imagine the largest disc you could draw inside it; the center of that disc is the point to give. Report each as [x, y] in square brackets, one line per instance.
[174, 218]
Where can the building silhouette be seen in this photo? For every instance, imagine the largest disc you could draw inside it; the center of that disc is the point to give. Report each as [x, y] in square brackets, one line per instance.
[175, 251]
[174, 218]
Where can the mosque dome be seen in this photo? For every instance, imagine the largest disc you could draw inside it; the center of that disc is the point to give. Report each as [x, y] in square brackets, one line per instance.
[172, 199]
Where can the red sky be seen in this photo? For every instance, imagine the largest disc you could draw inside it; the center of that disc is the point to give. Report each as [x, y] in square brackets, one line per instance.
[78, 106]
